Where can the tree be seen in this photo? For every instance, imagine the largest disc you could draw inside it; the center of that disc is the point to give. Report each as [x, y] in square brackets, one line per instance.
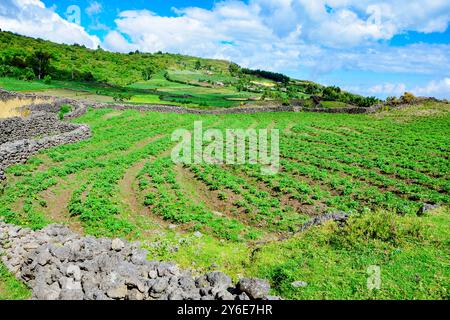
[198, 65]
[234, 68]
[149, 71]
[40, 62]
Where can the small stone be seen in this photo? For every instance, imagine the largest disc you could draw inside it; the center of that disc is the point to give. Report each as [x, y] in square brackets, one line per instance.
[219, 280]
[44, 258]
[160, 285]
[299, 284]
[118, 292]
[176, 295]
[117, 245]
[198, 234]
[70, 284]
[224, 295]
[74, 271]
[254, 288]
[45, 292]
[426, 208]
[153, 274]
[135, 295]
[72, 294]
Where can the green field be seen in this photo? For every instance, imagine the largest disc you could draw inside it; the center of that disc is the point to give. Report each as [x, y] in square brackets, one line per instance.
[380, 168]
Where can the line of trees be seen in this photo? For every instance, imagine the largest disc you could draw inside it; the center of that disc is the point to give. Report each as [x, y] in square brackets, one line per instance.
[277, 77]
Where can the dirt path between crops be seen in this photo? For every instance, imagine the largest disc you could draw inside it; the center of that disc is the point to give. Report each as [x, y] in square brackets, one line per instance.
[57, 200]
[131, 197]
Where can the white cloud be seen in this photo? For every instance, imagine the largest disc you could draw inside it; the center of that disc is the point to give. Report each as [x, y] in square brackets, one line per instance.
[435, 88]
[114, 41]
[33, 19]
[94, 8]
[388, 89]
[292, 35]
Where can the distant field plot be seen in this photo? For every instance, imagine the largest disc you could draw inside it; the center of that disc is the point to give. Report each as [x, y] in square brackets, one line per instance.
[157, 90]
[201, 77]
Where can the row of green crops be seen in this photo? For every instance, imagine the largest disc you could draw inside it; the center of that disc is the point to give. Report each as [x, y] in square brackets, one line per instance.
[353, 163]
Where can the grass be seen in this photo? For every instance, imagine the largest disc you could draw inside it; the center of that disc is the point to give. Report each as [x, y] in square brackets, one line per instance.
[10, 287]
[12, 107]
[379, 168]
[22, 85]
[333, 104]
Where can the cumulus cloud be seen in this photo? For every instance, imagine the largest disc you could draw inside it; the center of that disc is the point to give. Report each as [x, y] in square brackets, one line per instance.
[290, 35]
[114, 41]
[435, 88]
[33, 19]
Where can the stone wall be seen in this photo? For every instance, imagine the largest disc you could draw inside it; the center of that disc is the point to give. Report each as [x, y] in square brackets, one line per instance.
[37, 125]
[19, 151]
[58, 264]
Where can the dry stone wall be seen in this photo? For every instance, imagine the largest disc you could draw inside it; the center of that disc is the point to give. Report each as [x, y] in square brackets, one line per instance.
[58, 264]
[19, 151]
[21, 138]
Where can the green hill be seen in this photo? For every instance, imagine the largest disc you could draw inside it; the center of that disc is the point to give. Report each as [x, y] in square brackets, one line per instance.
[72, 70]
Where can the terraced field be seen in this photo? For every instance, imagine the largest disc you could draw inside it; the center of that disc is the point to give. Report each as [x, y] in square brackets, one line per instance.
[123, 183]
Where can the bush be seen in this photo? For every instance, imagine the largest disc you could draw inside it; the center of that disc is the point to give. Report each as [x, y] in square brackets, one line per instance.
[386, 227]
[65, 108]
[407, 97]
[47, 79]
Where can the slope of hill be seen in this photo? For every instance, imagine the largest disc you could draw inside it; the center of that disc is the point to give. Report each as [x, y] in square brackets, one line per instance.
[71, 70]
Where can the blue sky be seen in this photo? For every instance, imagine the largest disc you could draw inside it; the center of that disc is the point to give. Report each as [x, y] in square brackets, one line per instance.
[373, 47]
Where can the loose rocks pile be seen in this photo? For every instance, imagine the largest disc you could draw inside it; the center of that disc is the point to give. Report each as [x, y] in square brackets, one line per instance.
[58, 264]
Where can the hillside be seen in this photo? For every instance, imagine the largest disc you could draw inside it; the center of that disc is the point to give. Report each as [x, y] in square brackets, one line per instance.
[28, 64]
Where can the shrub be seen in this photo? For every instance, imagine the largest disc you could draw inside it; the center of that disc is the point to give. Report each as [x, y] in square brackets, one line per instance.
[408, 97]
[386, 227]
[47, 79]
[63, 110]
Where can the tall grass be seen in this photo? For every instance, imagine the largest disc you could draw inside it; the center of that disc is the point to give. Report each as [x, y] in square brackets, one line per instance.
[13, 107]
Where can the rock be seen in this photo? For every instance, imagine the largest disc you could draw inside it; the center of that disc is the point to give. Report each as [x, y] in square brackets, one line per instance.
[59, 264]
[71, 294]
[117, 245]
[160, 285]
[176, 295]
[45, 292]
[152, 274]
[198, 234]
[243, 297]
[186, 283]
[254, 288]
[299, 284]
[74, 271]
[224, 295]
[219, 280]
[135, 295]
[139, 256]
[43, 258]
[118, 292]
[70, 284]
[202, 282]
[426, 208]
